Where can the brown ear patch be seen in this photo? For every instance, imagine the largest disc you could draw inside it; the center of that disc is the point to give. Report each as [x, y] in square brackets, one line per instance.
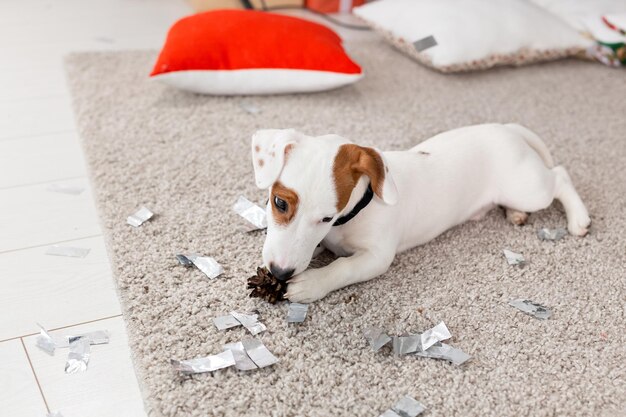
[351, 162]
[291, 197]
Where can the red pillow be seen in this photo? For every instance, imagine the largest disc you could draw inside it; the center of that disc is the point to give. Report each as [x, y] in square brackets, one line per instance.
[253, 52]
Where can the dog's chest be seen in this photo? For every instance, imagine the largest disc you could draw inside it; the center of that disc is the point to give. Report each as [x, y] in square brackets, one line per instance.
[338, 243]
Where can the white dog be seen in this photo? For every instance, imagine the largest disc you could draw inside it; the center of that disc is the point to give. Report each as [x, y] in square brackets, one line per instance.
[365, 205]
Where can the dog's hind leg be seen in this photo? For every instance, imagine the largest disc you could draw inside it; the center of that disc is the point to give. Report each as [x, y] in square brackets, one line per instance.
[532, 187]
[578, 220]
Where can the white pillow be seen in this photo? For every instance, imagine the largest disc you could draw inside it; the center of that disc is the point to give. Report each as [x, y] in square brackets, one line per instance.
[473, 34]
[575, 12]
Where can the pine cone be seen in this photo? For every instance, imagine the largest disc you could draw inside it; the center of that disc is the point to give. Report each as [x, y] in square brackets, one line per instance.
[265, 285]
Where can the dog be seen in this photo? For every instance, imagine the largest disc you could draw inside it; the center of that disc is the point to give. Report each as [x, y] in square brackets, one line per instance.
[365, 205]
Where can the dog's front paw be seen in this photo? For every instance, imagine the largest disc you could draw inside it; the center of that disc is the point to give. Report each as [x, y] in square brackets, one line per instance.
[306, 287]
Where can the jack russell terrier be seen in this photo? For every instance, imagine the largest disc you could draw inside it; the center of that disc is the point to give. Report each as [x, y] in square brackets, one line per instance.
[365, 205]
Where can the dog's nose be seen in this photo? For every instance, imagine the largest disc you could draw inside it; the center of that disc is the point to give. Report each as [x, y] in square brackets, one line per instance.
[281, 274]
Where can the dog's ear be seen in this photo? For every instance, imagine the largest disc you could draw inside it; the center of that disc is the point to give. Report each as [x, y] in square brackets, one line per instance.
[388, 187]
[270, 148]
[351, 162]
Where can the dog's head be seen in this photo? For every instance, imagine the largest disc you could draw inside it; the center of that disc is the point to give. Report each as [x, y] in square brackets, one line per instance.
[311, 182]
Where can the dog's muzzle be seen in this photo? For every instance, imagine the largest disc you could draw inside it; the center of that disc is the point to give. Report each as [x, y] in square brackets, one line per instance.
[281, 274]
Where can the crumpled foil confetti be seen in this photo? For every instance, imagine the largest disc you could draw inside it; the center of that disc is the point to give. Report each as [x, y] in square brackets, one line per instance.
[551, 234]
[405, 407]
[139, 217]
[445, 352]
[297, 312]
[183, 260]
[427, 344]
[99, 337]
[49, 343]
[250, 322]
[207, 265]
[406, 344]
[225, 322]
[45, 341]
[254, 216]
[242, 360]
[205, 364]
[57, 250]
[531, 308]
[66, 189]
[514, 258]
[259, 354]
[246, 355]
[437, 334]
[78, 357]
[376, 337]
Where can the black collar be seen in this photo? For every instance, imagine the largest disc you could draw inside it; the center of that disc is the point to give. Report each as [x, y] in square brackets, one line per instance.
[365, 200]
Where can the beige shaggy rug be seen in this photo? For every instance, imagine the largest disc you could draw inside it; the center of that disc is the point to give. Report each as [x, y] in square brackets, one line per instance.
[186, 157]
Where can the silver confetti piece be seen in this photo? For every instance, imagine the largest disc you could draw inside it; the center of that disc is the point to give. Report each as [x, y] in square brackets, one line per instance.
[250, 322]
[445, 352]
[297, 312]
[183, 260]
[405, 407]
[207, 265]
[57, 250]
[139, 217]
[206, 364]
[78, 358]
[425, 43]
[408, 407]
[225, 322]
[242, 360]
[406, 344]
[514, 258]
[259, 354]
[66, 189]
[48, 343]
[98, 337]
[437, 334]
[254, 215]
[531, 308]
[376, 337]
[551, 234]
[45, 341]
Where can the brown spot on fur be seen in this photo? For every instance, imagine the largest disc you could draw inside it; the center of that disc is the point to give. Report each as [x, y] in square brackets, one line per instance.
[257, 148]
[351, 162]
[261, 162]
[423, 153]
[291, 197]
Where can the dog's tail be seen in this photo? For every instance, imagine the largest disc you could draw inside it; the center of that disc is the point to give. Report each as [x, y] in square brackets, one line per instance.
[534, 142]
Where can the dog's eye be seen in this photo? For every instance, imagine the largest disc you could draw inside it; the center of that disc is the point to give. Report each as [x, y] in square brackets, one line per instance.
[280, 204]
[327, 219]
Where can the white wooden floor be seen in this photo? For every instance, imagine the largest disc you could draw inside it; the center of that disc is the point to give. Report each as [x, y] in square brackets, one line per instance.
[39, 147]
